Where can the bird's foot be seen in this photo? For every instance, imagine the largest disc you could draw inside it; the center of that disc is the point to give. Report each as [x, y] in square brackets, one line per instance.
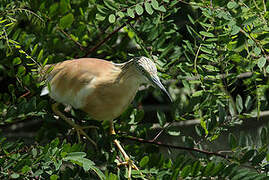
[130, 164]
[80, 131]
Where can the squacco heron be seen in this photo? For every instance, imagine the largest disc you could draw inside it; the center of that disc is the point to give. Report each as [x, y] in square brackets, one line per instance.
[101, 88]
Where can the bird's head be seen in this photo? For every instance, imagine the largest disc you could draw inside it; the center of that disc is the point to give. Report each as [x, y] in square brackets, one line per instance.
[148, 69]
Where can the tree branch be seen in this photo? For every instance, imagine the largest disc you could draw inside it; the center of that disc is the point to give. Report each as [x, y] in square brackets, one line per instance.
[69, 37]
[108, 37]
[140, 140]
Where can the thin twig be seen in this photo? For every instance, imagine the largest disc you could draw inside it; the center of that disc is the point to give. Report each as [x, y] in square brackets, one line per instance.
[162, 130]
[72, 39]
[140, 140]
[109, 36]
[105, 39]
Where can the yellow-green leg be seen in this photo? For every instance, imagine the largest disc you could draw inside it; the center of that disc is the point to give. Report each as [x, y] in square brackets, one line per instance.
[128, 162]
[78, 128]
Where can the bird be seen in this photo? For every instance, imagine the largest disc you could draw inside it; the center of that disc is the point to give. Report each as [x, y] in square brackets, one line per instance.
[101, 88]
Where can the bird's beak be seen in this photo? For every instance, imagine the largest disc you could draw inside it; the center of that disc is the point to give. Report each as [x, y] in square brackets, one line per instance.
[156, 82]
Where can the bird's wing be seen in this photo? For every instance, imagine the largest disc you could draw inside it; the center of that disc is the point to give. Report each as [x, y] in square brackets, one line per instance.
[70, 81]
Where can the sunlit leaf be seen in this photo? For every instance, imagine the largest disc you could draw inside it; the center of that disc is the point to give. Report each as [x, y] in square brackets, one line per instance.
[130, 12]
[111, 18]
[144, 161]
[206, 34]
[261, 62]
[148, 8]
[232, 4]
[16, 61]
[66, 21]
[155, 4]
[239, 103]
[139, 9]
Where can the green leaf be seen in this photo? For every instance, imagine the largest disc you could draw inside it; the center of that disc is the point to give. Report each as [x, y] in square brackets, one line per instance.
[195, 168]
[112, 18]
[239, 103]
[240, 174]
[247, 156]
[264, 136]
[103, 10]
[144, 161]
[231, 4]
[21, 71]
[206, 50]
[210, 68]
[87, 164]
[25, 169]
[191, 19]
[74, 155]
[267, 69]
[261, 62]
[217, 169]
[100, 17]
[173, 132]
[78, 158]
[161, 117]
[34, 50]
[53, 9]
[250, 42]
[148, 8]
[111, 5]
[206, 34]
[208, 170]
[139, 9]
[250, 20]
[112, 177]
[155, 4]
[258, 158]
[232, 141]
[120, 14]
[232, 109]
[198, 93]
[235, 30]
[257, 51]
[15, 176]
[185, 171]
[222, 114]
[230, 169]
[199, 130]
[130, 12]
[34, 152]
[54, 177]
[66, 21]
[203, 124]
[40, 55]
[162, 9]
[64, 6]
[16, 61]
[248, 102]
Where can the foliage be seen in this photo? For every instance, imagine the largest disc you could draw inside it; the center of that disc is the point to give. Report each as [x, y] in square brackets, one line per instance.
[213, 56]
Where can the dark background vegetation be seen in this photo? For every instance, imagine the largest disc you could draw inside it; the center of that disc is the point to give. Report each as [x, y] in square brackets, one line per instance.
[211, 55]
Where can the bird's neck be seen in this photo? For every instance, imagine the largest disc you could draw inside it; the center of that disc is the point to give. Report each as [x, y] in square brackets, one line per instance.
[130, 74]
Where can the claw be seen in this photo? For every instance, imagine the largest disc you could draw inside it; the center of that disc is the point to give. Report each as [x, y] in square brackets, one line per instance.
[77, 128]
[128, 162]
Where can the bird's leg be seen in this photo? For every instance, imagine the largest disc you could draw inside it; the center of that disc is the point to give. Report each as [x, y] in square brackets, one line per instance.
[78, 128]
[128, 161]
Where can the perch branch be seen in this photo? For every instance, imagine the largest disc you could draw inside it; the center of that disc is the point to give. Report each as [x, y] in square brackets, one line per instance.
[140, 140]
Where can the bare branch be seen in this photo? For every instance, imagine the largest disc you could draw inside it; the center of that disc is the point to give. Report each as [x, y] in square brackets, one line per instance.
[140, 140]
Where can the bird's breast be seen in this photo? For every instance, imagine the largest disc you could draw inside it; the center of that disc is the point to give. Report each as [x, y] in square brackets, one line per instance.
[108, 101]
